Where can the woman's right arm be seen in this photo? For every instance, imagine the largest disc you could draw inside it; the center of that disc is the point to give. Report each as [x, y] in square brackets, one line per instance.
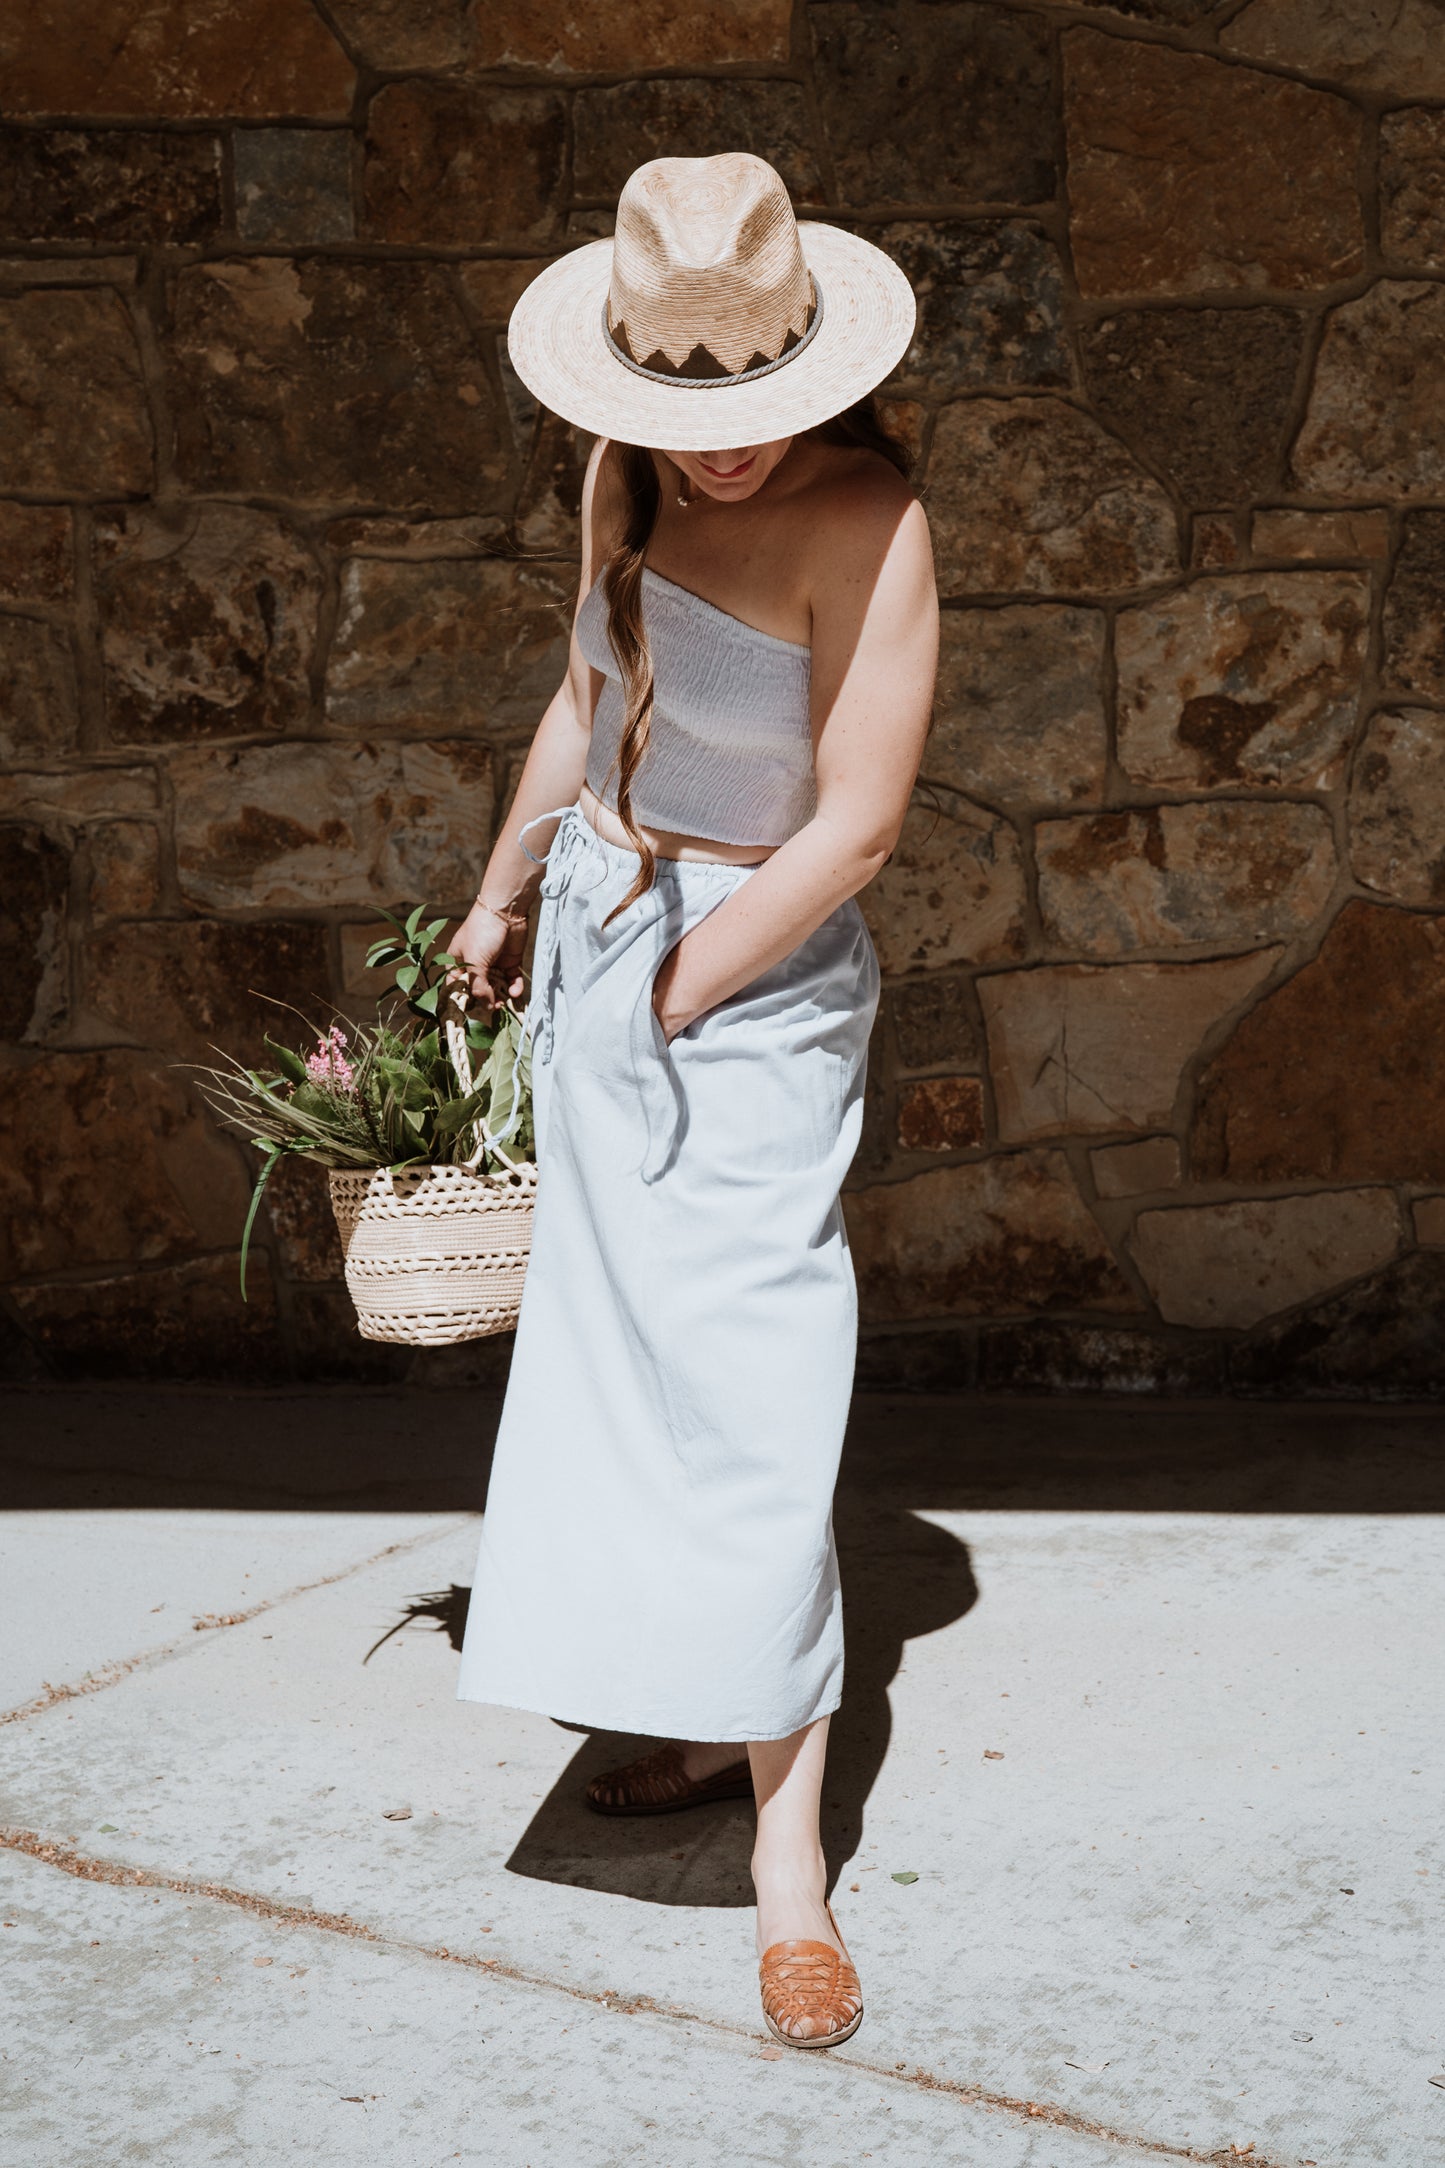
[490, 941]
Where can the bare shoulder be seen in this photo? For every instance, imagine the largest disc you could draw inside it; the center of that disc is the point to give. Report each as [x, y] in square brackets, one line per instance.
[866, 530]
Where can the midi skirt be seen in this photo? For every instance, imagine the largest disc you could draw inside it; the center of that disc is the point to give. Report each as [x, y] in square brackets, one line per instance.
[657, 1550]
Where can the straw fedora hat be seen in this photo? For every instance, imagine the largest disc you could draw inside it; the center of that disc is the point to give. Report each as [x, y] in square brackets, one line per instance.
[711, 318]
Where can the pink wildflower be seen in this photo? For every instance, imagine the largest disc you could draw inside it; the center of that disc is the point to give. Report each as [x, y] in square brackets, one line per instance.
[328, 1067]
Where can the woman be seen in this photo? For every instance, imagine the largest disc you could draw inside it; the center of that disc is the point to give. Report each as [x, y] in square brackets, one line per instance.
[726, 764]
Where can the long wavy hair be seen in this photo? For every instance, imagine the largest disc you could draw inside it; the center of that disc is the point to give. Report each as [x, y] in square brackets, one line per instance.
[860, 426]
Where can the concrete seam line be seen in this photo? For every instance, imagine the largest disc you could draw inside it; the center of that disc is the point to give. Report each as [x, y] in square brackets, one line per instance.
[121, 1667]
[51, 1853]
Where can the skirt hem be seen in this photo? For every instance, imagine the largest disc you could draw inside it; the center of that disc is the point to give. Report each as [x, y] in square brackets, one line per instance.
[651, 1731]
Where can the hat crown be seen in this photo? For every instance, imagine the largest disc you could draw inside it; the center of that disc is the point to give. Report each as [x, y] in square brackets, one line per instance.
[708, 276]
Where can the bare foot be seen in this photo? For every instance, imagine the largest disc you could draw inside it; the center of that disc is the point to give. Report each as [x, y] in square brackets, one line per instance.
[791, 1907]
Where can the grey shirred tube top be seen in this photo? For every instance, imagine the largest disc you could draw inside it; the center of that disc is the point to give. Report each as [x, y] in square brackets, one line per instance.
[730, 754]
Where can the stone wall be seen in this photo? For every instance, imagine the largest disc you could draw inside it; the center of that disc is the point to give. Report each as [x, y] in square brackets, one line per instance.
[286, 555]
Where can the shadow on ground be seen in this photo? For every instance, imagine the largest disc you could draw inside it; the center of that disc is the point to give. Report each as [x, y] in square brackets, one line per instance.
[903, 1576]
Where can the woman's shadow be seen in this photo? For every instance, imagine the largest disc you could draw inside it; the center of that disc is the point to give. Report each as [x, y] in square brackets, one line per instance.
[902, 1577]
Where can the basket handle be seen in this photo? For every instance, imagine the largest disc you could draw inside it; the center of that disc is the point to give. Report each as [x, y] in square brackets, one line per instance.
[456, 1038]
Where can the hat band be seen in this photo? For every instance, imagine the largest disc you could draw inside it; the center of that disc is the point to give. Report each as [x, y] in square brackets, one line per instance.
[708, 383]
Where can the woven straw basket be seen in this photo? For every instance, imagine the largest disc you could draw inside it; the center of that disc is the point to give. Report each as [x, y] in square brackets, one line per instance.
[437, 1254]
[434, 1254]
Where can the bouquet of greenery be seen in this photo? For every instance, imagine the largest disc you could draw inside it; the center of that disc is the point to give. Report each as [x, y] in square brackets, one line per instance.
[428, 1085]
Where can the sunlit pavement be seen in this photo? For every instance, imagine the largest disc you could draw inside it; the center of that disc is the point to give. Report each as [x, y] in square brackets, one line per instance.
[1133, 1807]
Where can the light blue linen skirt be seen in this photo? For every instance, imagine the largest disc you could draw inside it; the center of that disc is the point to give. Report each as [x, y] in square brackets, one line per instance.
[657, 1552]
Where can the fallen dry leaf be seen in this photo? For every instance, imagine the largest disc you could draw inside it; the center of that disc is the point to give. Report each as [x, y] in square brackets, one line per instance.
[263, 1960]
[992, 1753]
[396, 1814]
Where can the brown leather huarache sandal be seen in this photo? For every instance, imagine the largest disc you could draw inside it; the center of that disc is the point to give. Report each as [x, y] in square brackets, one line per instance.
[657, 1783]
[811, 1994]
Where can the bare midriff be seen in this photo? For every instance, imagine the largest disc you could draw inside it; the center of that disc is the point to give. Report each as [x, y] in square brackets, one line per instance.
[666, 843]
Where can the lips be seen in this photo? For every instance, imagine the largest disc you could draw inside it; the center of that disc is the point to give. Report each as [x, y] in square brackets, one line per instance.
[730, 474]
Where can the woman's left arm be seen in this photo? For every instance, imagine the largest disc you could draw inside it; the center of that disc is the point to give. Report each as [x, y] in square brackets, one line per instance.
[875, 656]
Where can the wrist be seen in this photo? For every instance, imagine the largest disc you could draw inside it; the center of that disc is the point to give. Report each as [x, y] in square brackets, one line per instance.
[514, 915]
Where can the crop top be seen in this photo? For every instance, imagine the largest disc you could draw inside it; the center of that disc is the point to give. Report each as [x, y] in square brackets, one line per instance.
[730, 754]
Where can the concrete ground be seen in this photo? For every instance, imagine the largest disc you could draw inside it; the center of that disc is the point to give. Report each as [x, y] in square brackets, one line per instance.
[1144, 1709]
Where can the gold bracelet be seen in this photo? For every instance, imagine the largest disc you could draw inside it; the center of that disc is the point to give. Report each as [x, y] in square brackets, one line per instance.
[515, 919]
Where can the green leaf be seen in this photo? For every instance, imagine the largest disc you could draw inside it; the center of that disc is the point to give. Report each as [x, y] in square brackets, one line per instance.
[433, 930]
[426, 1004]
[276, 1152]
[443, 960]
[414, 921]
[407, 976]
[291, 1065]
[907, 1876]
[385, 952]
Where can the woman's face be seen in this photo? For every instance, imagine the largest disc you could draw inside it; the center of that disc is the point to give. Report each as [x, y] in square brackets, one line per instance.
[730, 476]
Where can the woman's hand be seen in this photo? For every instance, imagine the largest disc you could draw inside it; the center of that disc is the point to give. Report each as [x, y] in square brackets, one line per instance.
[488, 947]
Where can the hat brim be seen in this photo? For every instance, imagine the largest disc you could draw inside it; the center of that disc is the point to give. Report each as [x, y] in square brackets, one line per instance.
[556, 342]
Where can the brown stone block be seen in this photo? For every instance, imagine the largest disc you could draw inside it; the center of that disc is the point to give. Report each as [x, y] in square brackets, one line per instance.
[1214, 542]
[324, 825]
[941, 1114]
[1412, 187]
[936, 1360]
[347, 382]
[990, 303]
[1079, 1048]
[112, 1161]
[1056, 1358]
[1203, 395]
[549, 505]
[182, 1321]
[38, 711]
[905, 420]
[1019, 709]
[73, 414]
[1397, 49]
[36, 557]
[1376, 421]
[35, 883]
[1032, 496]
[476, 645]
[66, 796]
[979, 1239]
[399, 35]
[1253, 679]
[108, 185]
[200, 989]
[293, 184]
[1173, 876]
[298, 1205]
[619, 128]
[1309, 536]
[208, 618]
[1414, 622]
[125, 869]
[1336, 1075]
[953, 891]
[934, 1021]
[627, 35]
[1234, 1264]
[495, 284]
[461, 162]
[1190, 176]
[1133, 1170]
[1429, 1218]
[894, 82]
[1397, 806]
[1383, 1339]
[416, 538]
[176, 60]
